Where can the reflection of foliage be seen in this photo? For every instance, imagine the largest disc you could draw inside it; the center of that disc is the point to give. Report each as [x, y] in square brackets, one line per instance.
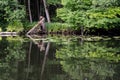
[92, 60]
[15, 53]
[90, 50]
[82, 68]
[61, 39]
[3, 50]
[9, 63]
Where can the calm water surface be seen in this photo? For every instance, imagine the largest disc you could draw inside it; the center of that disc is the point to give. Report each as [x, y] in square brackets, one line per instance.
[58, 58]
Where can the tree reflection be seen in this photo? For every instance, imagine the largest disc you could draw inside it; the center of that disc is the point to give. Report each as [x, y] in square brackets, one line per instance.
[14, 53]
[67, 59]
[91, 60]
[40, 42]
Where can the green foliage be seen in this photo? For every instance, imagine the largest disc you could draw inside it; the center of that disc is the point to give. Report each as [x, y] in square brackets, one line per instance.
[62, 13]
[27, 25]
[11, 12]
[58, 27]
[107, 3]
[91, 13]
[15, 26]
[103, 19]
[54, 2]
[74, 12]
[13, 15]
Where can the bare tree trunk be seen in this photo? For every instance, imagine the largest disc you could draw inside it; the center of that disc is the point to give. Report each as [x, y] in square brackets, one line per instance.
[29, 9]
[38, 8]
[46, 11]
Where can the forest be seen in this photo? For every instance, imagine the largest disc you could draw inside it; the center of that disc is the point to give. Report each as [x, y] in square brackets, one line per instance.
[86, 47]
[84, 17]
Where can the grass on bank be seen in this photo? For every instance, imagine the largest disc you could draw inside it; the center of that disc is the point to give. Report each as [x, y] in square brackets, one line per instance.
[15, 26]
[54, 27]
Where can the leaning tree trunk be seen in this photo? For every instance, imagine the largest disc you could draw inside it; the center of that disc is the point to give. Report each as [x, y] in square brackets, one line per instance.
[29, 10]
[46, 11]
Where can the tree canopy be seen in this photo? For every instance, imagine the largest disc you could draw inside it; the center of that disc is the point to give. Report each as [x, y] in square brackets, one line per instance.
[11, 12]
[91, 13]
[79, 14]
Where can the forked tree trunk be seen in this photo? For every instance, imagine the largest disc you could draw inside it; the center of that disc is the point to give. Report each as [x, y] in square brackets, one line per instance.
[29, 10]
[46, 11]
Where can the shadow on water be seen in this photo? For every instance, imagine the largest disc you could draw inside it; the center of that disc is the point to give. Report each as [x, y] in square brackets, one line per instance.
[58, 58]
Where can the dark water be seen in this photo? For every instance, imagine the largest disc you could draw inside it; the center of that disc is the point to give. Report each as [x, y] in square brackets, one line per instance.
[58, 58]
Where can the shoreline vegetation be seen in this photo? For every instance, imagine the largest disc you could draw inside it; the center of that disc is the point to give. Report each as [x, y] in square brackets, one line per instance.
[75, 17]
[67, 38]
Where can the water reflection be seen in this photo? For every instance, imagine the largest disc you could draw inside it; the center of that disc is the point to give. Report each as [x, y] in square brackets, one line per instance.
[58, 58]
[12, 54]
[41, 44]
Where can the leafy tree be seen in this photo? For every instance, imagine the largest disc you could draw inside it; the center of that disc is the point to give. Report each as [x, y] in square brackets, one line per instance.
[53, 2]
[11, 12]
[91, 13]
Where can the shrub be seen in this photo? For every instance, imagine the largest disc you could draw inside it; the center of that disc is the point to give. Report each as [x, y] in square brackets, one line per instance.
[15, 26]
